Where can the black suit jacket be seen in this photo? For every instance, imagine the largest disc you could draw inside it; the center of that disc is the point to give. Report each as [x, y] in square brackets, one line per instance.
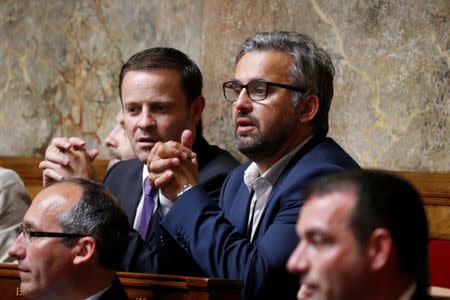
[124, 180]
[115, 292]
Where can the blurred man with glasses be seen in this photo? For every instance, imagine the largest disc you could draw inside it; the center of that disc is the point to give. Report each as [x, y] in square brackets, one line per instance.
[73, 237]
[280, 98]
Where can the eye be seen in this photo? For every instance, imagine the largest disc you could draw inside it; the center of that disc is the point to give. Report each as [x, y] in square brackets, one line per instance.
[160, 108]
[132, 110]
[258, 89]
[235, 87]
[317, 239]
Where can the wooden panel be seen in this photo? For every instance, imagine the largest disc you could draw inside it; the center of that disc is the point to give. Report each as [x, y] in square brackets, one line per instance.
[433, 187]
[435, 191]
[145, 286]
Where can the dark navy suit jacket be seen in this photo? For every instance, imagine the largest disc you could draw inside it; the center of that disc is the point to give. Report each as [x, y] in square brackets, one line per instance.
[124, 180]
[115, 292]
[214, 234]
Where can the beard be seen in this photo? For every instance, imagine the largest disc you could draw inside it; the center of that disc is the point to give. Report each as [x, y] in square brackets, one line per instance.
[263, 143]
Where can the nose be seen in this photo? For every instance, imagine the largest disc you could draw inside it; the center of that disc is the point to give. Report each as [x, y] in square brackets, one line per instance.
[111, 141]
[298, 262]
[146, 119]
[17, 250]
[243, 102]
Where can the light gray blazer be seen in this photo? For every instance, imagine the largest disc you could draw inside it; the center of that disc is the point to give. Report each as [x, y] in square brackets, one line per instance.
[14, 202]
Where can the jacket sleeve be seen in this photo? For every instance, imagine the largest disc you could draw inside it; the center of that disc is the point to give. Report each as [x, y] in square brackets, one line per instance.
[198, 224]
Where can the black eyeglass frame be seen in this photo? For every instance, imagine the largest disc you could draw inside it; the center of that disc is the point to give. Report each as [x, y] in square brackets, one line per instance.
[303, 91]
[49, 234]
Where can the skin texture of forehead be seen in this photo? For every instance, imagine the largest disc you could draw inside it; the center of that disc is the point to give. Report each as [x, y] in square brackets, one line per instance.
[334, 207]
[279, 61]
[55, 200]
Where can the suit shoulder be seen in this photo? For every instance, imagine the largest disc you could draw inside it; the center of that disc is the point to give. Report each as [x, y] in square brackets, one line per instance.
[330, 152]
[122, 170]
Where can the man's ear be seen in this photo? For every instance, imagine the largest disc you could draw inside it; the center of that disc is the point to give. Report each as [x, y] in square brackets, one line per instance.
[309, 107]
[379, 248]
[84, 250]
[196, 110]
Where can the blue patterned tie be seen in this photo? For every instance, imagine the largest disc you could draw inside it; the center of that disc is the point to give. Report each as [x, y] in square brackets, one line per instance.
[147, 208]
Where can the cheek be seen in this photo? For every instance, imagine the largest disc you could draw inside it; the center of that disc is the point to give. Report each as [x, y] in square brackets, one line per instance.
[172, 125]
[130, 125]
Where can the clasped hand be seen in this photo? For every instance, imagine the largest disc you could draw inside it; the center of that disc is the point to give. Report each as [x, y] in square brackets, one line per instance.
[172, 166]
[67, 158]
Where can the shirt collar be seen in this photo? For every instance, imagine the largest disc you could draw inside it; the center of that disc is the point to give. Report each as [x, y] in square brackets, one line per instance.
[97, 295]
[271, 175]
[145, 174]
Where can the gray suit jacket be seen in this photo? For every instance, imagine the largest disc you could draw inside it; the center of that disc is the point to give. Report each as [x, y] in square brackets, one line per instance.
[14, 202]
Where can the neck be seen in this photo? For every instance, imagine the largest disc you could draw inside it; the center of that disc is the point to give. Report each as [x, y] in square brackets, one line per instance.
[87, 284]
[389, 288]
[265, 162]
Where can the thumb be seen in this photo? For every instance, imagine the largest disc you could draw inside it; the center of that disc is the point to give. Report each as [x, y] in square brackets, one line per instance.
[92, 154]
[187, 139]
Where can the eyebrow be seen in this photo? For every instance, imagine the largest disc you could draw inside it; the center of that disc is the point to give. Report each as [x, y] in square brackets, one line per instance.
[28, 225]
[315, 230]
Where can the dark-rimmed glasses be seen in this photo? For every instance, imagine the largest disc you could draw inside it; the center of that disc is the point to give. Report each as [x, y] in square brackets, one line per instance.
[257, 90]
[28, 234]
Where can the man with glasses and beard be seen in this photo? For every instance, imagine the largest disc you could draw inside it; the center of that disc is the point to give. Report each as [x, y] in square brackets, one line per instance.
[280, 98]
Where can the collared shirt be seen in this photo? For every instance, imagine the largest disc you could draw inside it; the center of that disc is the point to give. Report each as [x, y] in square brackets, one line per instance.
[137, 218]
[408, 293]
[263, 185]
[97, 295]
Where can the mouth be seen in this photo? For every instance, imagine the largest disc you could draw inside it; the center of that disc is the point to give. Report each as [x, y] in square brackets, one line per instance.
[22, 269]
[145, 142]
[245, 125]
[307, 290]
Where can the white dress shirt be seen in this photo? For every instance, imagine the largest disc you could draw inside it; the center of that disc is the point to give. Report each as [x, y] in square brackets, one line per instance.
[263, 184]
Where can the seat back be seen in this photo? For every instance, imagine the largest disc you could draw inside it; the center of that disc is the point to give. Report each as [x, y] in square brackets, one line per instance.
[439, 259]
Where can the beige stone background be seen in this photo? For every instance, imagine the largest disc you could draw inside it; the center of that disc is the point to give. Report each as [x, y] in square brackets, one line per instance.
[59, 65]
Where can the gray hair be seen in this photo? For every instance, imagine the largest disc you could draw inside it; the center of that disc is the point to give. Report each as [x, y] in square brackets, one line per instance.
[312, 69]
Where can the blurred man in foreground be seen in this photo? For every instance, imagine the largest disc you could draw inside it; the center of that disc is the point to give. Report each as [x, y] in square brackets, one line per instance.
[363, 235]
[73, 237]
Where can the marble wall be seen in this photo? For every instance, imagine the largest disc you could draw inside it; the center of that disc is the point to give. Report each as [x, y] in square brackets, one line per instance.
[59, 62]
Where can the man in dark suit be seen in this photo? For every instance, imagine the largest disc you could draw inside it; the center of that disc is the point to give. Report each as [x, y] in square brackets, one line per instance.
[280, 95]
[161, 95]
[67, 249]
[363, 235]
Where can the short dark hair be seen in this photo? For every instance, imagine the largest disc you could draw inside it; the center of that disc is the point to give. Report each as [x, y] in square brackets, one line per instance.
[99, 215]
[387, 201]
[312, 69]
[166, 58]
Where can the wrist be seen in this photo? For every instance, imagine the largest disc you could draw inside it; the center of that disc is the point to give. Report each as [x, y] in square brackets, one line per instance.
[184, 189]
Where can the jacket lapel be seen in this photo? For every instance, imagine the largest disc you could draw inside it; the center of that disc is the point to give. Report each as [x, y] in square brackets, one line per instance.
[240, 205]
[278, 187]
[132, 193]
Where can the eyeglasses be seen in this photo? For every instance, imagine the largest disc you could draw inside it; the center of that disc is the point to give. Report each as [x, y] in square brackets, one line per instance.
[256, 89]
[27, 233]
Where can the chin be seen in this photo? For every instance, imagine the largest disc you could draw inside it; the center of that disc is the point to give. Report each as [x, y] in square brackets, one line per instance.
[27, 290]
[142, 156]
